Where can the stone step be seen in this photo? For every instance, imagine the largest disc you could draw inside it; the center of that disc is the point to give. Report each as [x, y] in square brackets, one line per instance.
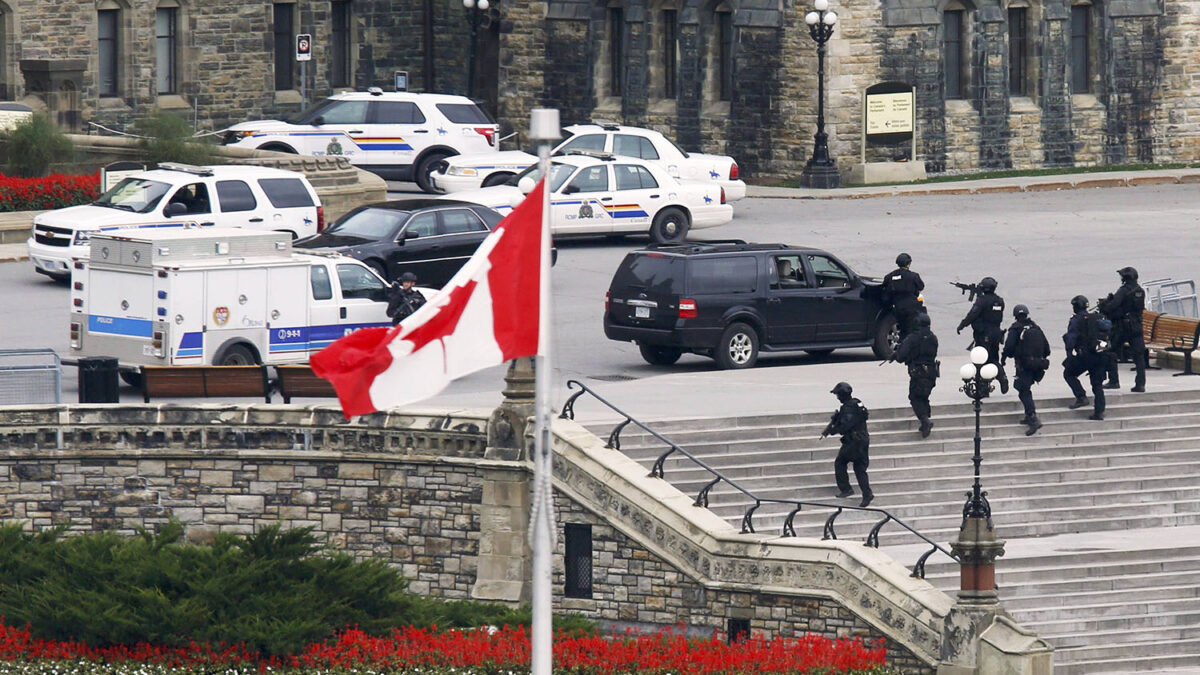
[1153, 588]
[1172, 657]
[1130, 637]
[1163, 612]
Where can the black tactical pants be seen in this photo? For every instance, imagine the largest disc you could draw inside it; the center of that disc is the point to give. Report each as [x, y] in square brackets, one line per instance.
[1024, 386]
[854, 451]
[1137, 352]
[921, 382]
[906, 317]
[1096, 365]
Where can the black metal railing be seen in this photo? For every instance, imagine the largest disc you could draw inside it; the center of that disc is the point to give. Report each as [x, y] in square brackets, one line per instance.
[872, 540]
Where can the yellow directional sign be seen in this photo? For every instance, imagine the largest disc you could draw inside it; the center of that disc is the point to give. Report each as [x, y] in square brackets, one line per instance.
[890, 113]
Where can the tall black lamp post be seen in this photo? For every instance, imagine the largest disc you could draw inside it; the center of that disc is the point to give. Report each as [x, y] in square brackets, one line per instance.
[821, 171]
[977, 547]
[474, 8]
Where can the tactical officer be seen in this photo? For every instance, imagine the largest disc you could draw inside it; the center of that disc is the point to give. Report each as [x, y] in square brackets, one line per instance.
[1085, 344]
[1026, 344]
[850, 420]
[919, 352]
[403, 300]
[984, 319]
[1124, 309]
[902, 288]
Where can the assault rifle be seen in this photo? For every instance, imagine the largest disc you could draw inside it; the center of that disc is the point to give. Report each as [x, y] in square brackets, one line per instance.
[832, 421]
[971, 289]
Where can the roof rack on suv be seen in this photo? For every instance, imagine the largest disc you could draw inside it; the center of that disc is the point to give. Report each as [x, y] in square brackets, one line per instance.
[607, 125]
[375, 91]
[186, 168]
[699, 243]
[598, 154]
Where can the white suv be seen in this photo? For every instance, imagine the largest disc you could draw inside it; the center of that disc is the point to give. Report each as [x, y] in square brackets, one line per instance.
[398, 135]
[468, 172]
[179, 195]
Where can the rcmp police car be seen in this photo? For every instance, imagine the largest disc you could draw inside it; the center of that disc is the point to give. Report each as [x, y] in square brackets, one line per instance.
[598, 193]
[468, 172]
[398, 135]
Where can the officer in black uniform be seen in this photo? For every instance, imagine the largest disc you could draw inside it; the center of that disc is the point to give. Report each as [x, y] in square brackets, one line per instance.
[919, 352]
[1026, 344]
[850, 420]
[403, 300]
[984, 319]
[902, 288]
[1124, 308]
[1083, 355]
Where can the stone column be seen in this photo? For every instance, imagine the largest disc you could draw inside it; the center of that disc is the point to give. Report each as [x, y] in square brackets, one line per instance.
[977, 606]
[57, 82]
[504, 553]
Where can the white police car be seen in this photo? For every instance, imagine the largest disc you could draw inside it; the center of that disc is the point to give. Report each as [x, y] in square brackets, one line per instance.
[398, 135]
[468, 172]
[599, 193]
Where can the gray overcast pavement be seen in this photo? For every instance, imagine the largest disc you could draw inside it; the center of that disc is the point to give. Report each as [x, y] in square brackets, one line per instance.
[1043, 247]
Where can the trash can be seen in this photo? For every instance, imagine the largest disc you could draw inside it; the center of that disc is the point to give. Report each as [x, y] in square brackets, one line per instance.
[98, 380]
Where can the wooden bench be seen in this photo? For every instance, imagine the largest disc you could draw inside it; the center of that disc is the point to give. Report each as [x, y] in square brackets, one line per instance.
[207, 381]
[1169, 333]
[300, 381]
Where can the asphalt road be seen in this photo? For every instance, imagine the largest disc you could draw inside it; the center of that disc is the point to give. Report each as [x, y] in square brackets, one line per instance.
[1043, 248]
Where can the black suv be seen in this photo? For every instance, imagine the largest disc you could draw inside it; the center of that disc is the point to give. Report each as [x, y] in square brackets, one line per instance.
[730, 299]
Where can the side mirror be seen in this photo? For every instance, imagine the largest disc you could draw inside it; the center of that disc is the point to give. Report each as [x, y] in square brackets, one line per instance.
[411, 234]
[175, 209]
[317, 121]
[570, 189]
[526, 185]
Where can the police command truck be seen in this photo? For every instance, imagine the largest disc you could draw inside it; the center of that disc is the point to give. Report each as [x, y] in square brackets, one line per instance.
[216, 296]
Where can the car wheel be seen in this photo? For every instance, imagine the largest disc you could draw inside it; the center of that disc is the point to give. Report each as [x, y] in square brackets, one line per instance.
[131, 378]
[425, 168]
[887, 337]
[378, 268]
[496, 179]
[279, 147]
[660, 356]
[818, 353]
[670, 226]
[237, 355]
[738, 347]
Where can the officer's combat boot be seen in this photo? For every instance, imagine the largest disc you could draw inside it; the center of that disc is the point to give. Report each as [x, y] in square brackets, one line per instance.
[1034, 424]
[926, 427]
[1080, 401]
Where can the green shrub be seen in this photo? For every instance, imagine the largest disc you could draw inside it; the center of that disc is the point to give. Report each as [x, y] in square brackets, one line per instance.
[33, 144]
[273, 591]
[168, 138]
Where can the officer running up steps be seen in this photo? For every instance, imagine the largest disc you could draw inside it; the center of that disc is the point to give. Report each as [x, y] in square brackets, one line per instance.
[1124, 309]
[850, 421]
[1029, 349]
[902, 290]
[1086, 342]
[919, 351]
[984, 319]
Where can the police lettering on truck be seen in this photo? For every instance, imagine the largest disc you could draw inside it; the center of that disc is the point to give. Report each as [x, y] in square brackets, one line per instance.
[216, 296]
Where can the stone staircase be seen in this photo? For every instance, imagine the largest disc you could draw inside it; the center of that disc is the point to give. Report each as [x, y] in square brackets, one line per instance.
[1102, 519]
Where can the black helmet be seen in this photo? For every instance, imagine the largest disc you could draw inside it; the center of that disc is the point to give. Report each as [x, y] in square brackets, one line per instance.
[903, 260]
[987, 285]
[408, 276]
[1079, 303]
[1127, 273]
[922, 320]
[1021, 312]
[841, 389]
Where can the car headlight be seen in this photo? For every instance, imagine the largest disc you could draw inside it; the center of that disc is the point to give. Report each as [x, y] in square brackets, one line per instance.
[82, 237]
[462, 171]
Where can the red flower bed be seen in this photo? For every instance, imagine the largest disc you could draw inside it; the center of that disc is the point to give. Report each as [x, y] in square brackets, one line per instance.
[50, 192]
[483, 651]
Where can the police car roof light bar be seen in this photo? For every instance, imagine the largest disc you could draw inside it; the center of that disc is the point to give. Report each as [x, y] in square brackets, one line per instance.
[607, 125]
[186, 168]
[597, 154]
[375, 91]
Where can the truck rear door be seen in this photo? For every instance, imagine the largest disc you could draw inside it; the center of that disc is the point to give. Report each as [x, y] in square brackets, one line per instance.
[287, 314]
[120, 304]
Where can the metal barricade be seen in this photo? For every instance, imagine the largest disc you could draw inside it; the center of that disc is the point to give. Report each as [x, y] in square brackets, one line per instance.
[30, 376]
[1172, 297]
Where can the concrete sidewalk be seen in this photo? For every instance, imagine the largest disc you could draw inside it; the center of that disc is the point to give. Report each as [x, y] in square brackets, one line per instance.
[1074, 181]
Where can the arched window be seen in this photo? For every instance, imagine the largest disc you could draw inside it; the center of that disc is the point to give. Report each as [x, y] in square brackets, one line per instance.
[283, 27]
[664, 50]
[341, 62]
[721, 42]
[110, 20]
[611, 53]
[166, 47]
[1083, 47]
[956, 65]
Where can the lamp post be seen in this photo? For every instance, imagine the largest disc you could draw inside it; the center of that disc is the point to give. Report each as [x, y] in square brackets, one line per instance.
[820, 171]
[977, 547]
[474, 7]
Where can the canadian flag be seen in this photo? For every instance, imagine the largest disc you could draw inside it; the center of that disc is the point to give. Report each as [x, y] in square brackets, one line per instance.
[488, 313]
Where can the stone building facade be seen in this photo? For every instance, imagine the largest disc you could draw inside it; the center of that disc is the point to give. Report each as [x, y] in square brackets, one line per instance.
[999, 83]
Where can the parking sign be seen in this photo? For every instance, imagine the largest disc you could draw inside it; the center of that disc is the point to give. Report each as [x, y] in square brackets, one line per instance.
[304, 47]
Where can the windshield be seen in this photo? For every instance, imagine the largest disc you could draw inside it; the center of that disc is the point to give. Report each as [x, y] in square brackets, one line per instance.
[369, 223]
[134, 194]
[559, 173]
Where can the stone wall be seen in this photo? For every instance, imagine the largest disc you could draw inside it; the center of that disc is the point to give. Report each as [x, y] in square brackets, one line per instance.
[427, 493]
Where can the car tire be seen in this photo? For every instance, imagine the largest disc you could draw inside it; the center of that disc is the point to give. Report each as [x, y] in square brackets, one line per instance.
[131, 378]
[425, 168]
[660, 356]
[278, 147]
[237, 355]
[378, 269]
[670, 226]
[496, 179]
[887, 337]
[738, 347]
[818, 353]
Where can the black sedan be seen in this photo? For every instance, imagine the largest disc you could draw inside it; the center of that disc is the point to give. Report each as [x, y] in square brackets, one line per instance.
[431, 238]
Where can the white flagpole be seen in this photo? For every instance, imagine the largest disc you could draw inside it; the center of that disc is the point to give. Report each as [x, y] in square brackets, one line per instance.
[543, 128]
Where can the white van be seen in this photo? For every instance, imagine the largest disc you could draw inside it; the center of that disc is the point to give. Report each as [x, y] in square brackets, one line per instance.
[174, 196]
[216, 297]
